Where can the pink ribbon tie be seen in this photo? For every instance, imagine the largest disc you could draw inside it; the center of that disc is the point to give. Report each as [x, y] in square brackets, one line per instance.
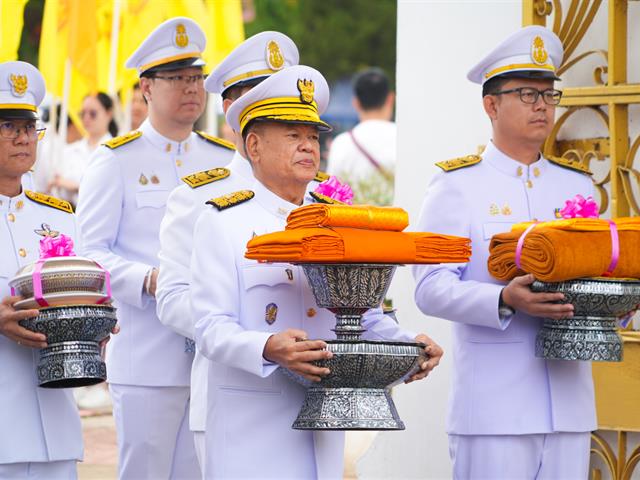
[520, 244]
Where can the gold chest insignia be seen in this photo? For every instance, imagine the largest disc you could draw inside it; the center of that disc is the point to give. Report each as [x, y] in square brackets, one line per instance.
[181, 39]
[538, 53]
[205, 177]
[123, 139]
[231, 199]
[461, 162]
[494, 210]
[306, 89]
[320, 198]
[275, 58]
[49, 201]
[19, 84]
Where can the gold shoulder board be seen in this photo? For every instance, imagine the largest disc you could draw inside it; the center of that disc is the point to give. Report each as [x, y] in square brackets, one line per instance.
[320, 198]
[460, 162]
[215, 140]
[570, 164]
[321, 177]
[205, 177]
[122, 139]
[231, 199]
[49, 201]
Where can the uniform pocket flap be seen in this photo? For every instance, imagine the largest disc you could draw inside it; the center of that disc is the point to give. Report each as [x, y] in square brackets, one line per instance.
[268, 275]
[152, 198]
[491, 228]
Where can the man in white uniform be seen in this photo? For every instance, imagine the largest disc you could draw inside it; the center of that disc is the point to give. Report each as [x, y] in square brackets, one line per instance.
[40, 437]
[255, 317]
[247, 65]
[512, 415]
[122, 201]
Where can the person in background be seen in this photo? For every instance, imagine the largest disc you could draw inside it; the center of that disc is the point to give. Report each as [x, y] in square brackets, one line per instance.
[138, 107]
[49, 147]
[97, 120]
[365, 156]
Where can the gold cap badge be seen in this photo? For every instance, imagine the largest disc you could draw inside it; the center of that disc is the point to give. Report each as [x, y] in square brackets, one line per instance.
[538, 53]
[182, 39]
[306, 89]
[275, 59]
[19, 84]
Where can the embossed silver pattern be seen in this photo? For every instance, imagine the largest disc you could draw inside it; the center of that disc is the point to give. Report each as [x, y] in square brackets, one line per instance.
[72, 358]
[356, 394]
[591, 333]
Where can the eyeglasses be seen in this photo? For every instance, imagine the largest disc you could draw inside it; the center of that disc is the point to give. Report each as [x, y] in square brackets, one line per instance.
[182, 81]
[530, 95]
[92, 113]
[11, 131]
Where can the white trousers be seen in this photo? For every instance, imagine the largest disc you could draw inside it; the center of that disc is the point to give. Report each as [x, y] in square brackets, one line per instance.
[198, 439]
[62, 470]
[553, 456]
[154, 440]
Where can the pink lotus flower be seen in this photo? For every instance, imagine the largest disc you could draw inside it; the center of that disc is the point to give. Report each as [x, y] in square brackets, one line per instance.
[60, 246]
[333, 188]
[580, 207]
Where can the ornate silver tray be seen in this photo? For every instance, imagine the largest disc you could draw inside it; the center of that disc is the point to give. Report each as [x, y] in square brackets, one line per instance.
[355, 395]
[591, 333]
[72, 357]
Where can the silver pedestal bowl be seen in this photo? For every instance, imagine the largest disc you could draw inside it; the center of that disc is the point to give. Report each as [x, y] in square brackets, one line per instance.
[72, 357]
[356, 394]
[591, 333]
[68, 292]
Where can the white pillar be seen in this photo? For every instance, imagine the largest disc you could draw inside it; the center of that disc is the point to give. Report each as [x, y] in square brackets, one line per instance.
[440, 116]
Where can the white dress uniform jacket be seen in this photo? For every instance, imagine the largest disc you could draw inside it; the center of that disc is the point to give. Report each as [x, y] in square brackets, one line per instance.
[37, 424]
[122, 201]
[239, 304]
[499, 386]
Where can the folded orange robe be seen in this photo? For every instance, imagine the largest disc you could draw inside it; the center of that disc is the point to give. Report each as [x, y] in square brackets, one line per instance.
[584, 224]
[352, 245]
[354, 216]
[557, 254]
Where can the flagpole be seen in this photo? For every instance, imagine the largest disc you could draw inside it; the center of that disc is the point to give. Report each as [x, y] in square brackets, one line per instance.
[115, 34]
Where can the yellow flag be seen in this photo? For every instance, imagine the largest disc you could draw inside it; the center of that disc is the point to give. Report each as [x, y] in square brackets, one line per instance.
[53, 44]
[11, 18]
[224, 30]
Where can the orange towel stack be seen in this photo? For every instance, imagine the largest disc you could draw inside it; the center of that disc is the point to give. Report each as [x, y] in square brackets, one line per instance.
[567, 249]
[355, 234]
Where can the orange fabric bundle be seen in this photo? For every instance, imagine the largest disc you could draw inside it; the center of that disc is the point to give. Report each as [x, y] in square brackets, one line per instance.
[566, 250]
[354, 216]
[352, 245]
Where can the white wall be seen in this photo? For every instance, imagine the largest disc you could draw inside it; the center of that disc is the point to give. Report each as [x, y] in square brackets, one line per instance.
[440, 116]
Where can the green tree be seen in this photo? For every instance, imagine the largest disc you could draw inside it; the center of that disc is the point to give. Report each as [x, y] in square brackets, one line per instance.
[338, 37]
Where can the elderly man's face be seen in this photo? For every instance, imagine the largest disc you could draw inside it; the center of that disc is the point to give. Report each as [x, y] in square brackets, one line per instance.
[287, 152]
[17, 155]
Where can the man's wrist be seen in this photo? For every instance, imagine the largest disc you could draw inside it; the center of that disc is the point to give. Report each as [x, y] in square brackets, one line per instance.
[504, 310]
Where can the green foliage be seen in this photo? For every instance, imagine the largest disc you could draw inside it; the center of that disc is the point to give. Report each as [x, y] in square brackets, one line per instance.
[338, 37]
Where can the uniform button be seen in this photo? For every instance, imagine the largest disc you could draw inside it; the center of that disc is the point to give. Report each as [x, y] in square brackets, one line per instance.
[22, 252]
[179, 163]
[536, 172]
[167, 148]
[311, 312]
[11, 217]
[519, 171]
[529, 184]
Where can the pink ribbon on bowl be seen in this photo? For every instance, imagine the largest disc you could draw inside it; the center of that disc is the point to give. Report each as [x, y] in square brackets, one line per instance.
[520, 244]
[60, 246]
[580, 207]
[333, 188]
[615, 249]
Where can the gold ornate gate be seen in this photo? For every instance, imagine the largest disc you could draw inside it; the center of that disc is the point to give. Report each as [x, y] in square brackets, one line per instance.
[608, 99]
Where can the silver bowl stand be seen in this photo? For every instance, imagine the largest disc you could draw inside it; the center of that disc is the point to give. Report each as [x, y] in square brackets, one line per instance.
[590, 335]
[356, 394]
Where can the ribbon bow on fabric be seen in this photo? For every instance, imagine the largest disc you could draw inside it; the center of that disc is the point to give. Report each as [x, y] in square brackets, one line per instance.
[60, 246]
[580, 207]
[333, 188]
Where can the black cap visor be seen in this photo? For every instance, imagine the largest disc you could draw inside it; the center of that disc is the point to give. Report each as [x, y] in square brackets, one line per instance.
[18, 113]
[176, 65]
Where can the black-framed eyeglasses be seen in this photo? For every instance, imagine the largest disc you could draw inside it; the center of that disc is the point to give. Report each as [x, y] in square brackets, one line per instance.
[530, 95]
[182, 81]
[11, 131]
